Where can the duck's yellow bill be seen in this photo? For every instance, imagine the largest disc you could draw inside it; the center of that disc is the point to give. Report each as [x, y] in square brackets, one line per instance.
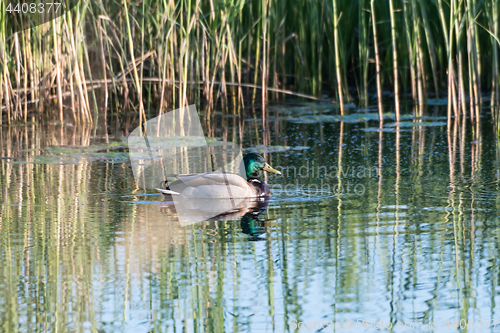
[269, 168]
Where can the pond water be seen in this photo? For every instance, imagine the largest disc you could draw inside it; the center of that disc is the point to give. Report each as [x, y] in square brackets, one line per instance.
[366, 229]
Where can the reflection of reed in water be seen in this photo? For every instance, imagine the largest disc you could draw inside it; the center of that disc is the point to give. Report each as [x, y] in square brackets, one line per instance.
[45, 230]
[71, 249]
[67, 234]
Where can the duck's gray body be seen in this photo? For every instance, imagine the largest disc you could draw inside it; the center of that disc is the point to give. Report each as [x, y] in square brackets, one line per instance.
[211, 185]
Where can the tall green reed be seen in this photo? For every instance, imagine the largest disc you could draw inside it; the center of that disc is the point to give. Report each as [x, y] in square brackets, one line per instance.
[155, 55]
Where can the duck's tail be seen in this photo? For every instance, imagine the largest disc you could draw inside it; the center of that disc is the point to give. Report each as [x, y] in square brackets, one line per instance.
[167, 192]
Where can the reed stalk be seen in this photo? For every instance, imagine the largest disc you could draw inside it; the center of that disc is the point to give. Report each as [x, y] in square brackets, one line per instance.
[363, 53]
[58, 72]
[430, 47]
[26, 77]
[394, 60]
[419, 57]
[458, 36]
[411, 51]
[2, 55]
[337, 56]
[142, 115]
[495, 100]
[265, 50]
[473, 63]
[451, 79]
[377, 63]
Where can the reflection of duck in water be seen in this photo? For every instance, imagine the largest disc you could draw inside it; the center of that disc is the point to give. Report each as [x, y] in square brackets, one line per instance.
[218, 196]
[248, 214]
[217, 185]
[213, 209]
[250, 223]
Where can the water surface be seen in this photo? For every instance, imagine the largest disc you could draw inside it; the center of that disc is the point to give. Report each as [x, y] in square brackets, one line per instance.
[399, 226]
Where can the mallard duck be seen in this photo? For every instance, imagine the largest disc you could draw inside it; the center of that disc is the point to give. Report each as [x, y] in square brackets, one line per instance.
[215, 185]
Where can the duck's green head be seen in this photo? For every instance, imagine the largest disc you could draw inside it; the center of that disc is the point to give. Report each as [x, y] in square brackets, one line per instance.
[254, 163]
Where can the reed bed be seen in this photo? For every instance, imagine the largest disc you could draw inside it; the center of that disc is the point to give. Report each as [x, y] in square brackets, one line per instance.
[149, 56]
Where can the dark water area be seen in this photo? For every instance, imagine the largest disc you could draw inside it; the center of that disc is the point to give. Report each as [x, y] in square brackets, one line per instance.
[367, 230]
